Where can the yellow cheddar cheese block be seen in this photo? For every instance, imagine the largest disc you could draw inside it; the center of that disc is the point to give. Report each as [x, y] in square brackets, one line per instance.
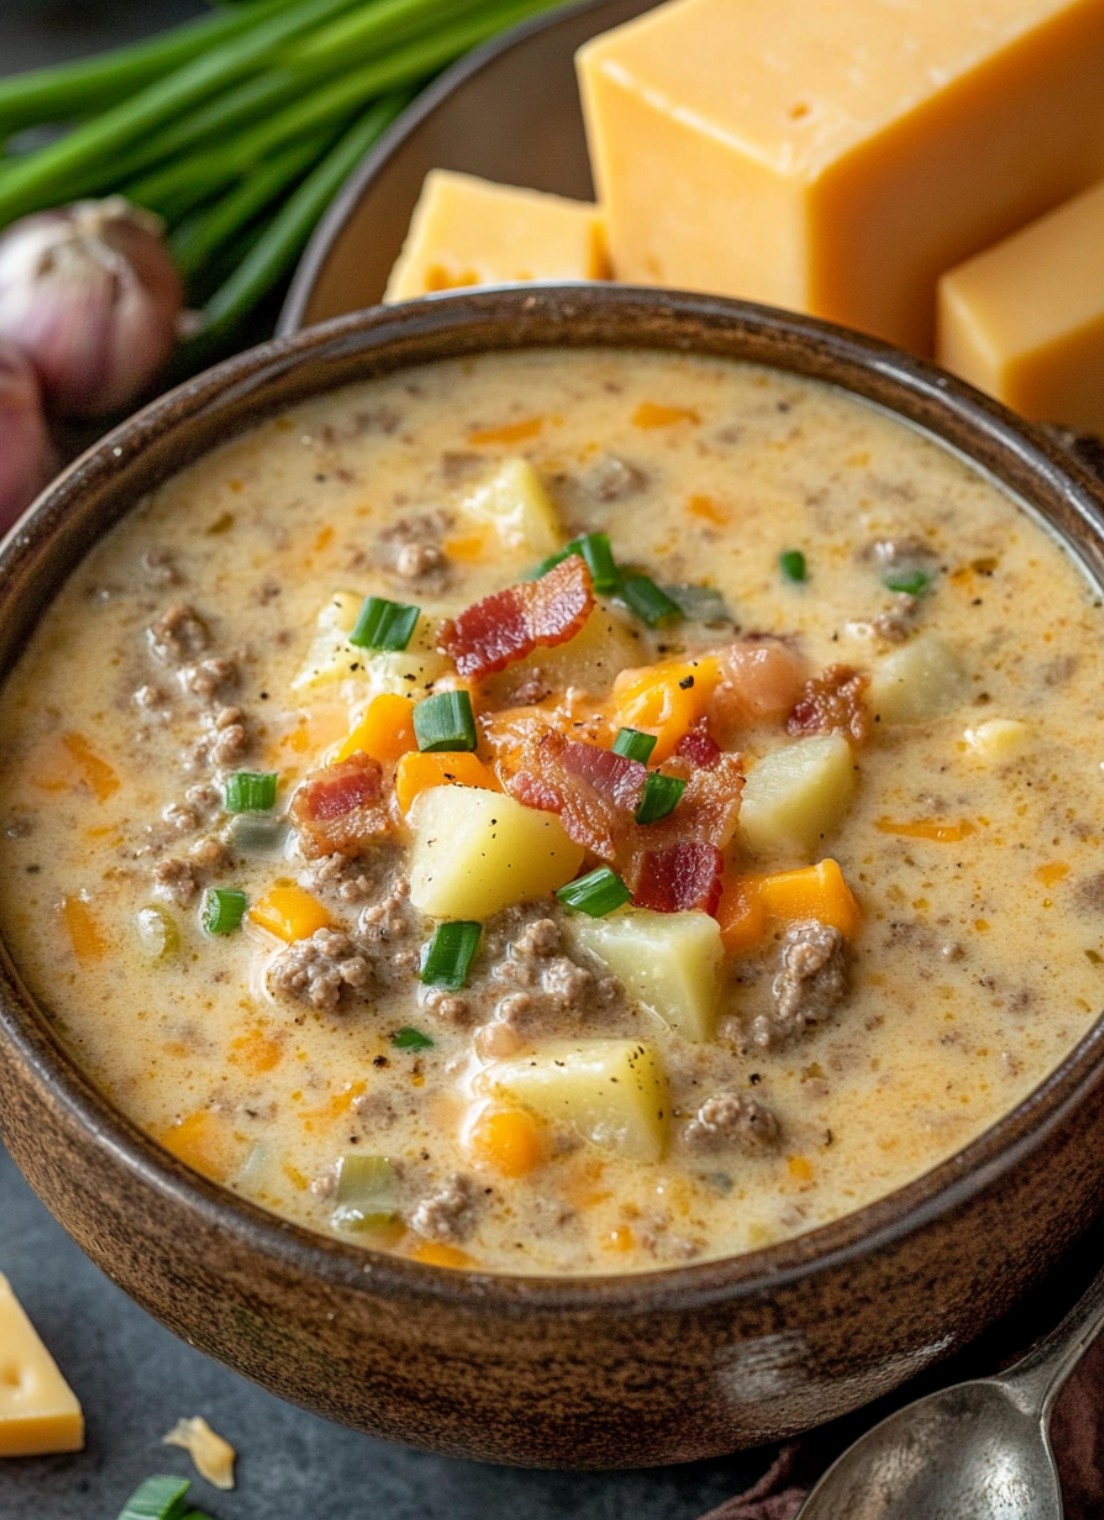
[1025, 320]
[465, 231]
[39, 1412]
[837, 159]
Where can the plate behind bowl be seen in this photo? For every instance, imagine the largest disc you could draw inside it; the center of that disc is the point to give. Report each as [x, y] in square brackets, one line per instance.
[666, 1366]
[508, 112]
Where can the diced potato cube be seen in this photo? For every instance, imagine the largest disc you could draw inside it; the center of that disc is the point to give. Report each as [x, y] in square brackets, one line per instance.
[796, 795]
[997, 739]
[514, 502]
[669, 963]
[924, 679]
[614, 1092]
[606, 644]
[476, 852]
[332, 658]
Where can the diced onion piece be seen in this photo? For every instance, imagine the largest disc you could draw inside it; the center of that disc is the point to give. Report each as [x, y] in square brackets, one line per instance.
[367, 1194]
[613, 1092]
[668, 963]
[157, 932]
[475, 852]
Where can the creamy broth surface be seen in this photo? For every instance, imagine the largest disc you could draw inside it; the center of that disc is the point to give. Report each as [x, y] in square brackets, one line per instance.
[186, 648]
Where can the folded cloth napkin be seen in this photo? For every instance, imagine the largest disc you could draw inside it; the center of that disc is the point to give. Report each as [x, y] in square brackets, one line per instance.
[1077, 1435]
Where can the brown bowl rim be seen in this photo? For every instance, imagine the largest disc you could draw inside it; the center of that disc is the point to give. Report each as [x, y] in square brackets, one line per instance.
[940, 1190]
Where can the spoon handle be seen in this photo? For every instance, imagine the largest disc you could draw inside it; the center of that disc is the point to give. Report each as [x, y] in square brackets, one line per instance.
[1037, 1379]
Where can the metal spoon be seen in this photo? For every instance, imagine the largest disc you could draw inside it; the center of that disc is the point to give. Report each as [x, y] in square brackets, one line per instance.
[977, 1451]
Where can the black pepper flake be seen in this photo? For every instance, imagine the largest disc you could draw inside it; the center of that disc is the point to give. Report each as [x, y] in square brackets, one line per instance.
[380, 1062]
[686, 683]
[755, 1079]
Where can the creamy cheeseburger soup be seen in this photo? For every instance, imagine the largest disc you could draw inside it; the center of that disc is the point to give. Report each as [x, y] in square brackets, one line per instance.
[564, 812]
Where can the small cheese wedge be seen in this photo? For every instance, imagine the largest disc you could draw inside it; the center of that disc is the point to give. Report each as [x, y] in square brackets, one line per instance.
[1025, 319]
[466, 231]
[39, 1412]
[837, 159]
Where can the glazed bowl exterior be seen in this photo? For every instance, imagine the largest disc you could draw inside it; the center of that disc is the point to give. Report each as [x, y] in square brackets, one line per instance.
[661, 1367]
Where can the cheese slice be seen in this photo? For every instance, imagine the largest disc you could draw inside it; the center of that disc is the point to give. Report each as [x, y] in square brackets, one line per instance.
[836, 159]
[465, 231]
[39, 1412]
[1025, 320]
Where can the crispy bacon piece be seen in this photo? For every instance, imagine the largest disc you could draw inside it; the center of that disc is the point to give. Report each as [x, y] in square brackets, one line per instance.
[615, 777]
[341, 809]
[833, 703]
[699, 746]
[680, 877]
[594, 791]
[707, 813]
[510, 624]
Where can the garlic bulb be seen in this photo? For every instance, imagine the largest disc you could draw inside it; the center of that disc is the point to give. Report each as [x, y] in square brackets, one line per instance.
[26, 454]
[90, 294]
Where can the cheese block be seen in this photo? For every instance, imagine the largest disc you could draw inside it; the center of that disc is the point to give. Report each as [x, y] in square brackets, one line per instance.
[465, 231]
[1025, 320]
[39, 1412]
[837, 159]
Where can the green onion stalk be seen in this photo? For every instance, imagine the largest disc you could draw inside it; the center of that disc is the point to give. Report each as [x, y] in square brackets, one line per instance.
[237, 129]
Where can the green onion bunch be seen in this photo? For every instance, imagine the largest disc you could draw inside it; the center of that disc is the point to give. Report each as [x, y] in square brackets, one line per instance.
[237, 129]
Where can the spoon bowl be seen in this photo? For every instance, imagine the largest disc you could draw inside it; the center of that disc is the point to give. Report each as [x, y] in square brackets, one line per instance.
[979, 1450]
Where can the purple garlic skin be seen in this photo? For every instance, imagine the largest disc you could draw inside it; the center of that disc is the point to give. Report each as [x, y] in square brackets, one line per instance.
[27, 459]
[91, 295]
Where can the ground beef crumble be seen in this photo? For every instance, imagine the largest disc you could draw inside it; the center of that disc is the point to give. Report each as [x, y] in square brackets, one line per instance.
[733, 1120]
[178, 636]
[321, 970]
[811, 981]
[450, 1214]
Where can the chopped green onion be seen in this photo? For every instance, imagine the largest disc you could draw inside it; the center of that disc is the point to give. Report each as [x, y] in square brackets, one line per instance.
[384, 625]
[159, 1498]
[911, 582]
[445, 721]
[223, 909]
[661, 795]
[595, 550]
[249, 792]
[634, 745]
[792, 565]
[409, 1038]
[648, 601]
[597, 893]
[367, 1195]
[157, 932]
[448, 955]
[701, 604]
